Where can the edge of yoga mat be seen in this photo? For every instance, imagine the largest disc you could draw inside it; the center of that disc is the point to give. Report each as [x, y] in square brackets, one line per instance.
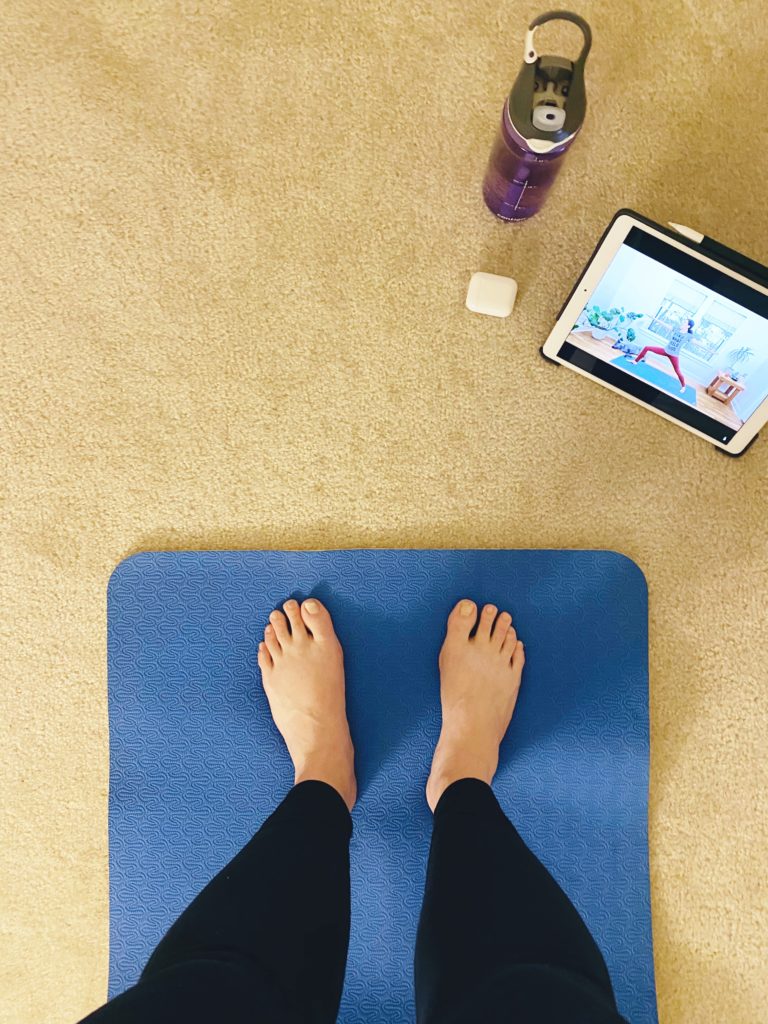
[191, 779]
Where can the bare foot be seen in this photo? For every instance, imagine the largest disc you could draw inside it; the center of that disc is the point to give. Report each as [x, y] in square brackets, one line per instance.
[479, 683]
[302, 669]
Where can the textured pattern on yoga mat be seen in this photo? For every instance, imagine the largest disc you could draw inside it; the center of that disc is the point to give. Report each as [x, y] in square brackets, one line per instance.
[197, 764]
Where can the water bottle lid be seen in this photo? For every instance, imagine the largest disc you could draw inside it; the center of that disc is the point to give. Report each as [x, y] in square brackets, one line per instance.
[548, 101]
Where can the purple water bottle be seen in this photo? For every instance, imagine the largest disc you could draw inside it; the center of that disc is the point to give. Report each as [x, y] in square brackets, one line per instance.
[540, 120]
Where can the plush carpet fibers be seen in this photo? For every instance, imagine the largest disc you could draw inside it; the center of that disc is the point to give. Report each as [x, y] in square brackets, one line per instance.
[236, 242]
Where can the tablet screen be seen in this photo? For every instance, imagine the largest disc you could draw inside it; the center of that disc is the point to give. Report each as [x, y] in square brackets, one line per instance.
[676, 333]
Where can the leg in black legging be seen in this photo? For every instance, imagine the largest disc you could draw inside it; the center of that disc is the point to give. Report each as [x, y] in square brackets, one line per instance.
[498, 938]
[266, 941]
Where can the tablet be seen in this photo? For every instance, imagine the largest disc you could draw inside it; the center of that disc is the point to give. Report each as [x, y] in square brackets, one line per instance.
[673, 326]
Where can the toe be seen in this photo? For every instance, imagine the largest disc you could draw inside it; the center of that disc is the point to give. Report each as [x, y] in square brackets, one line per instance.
[264, 658]
[486, 621]
[462, 619]
[292, 610]
[510, 642]
[272, 643]
[317, 619]
[500, 630]
[280, 626]
[518, 659]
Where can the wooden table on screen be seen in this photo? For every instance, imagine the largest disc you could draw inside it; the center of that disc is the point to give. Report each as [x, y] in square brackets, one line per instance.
[732, 388]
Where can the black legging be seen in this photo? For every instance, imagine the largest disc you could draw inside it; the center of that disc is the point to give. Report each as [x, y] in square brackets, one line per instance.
[266, 941]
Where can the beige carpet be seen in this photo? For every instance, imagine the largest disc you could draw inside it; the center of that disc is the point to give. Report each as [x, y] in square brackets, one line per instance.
[236, 238]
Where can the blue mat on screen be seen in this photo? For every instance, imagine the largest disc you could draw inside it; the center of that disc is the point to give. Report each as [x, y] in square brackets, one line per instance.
[658, 378]
[196, 763]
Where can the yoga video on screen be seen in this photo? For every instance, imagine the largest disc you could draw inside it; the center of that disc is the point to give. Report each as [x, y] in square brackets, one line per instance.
[655, 322]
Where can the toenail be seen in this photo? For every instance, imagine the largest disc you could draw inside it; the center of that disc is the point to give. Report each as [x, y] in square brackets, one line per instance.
[466, 608]
[268, 629]
[490, 610]
[311, 606]
[290, 604]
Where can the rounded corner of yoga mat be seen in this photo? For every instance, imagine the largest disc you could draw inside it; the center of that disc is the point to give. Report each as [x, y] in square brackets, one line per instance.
[196, 764]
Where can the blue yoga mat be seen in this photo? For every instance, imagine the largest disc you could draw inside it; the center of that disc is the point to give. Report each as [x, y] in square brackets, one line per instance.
[658, 378]
[197, 764]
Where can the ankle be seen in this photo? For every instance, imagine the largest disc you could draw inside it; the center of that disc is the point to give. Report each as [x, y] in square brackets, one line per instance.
[332, 767]
[459, 758]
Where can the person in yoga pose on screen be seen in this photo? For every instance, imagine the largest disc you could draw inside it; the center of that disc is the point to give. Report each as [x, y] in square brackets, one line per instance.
[266, 940]
[672, 350]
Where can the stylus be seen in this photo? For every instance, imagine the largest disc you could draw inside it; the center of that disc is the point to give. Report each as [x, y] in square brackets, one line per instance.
[735, 259]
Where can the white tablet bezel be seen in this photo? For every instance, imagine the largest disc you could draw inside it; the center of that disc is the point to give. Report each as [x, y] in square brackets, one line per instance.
[601, 259]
